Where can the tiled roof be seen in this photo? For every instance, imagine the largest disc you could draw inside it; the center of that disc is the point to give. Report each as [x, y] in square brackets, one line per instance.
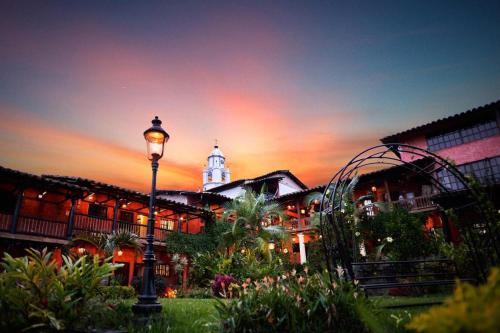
[22, 176]
[94, 185]
[258, 179]
[319, 188]
[438, 123]
[181, 192]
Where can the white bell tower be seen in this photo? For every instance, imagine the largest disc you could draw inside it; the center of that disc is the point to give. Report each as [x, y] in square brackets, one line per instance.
[215, 174]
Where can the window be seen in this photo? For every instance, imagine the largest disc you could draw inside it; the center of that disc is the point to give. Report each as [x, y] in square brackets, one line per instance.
[487, 171]
[462, 136]
[126, 216]
[166, 224]
[98, 211]
[161, 270]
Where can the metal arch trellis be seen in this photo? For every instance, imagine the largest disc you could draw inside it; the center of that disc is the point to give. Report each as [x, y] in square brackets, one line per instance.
[332, 221]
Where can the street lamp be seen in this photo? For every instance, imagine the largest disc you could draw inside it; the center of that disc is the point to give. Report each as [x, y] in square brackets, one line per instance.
[147, 303]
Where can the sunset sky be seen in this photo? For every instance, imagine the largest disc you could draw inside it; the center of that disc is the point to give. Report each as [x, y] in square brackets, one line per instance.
[281, 85]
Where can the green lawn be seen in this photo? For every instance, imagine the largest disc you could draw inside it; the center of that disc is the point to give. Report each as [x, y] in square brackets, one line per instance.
[400, 316]
[200, 315]
[185, 315]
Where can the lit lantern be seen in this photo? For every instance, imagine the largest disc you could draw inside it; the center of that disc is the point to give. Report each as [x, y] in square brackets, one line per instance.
[285, 250]
[156, 137]
[271, 245]
[374, 189]
[81, 250]
[302, 211]
[120, 253]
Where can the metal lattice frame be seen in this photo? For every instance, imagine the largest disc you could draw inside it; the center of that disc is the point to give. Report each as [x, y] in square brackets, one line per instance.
[332, 221]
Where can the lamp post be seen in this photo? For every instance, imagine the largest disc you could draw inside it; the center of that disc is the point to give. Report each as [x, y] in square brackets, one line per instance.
[147, 303]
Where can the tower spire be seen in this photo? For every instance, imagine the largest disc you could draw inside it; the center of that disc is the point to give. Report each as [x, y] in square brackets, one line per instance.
[215, 173]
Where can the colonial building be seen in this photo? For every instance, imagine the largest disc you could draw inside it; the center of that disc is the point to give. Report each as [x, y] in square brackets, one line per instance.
[53, 211]
[470, 139]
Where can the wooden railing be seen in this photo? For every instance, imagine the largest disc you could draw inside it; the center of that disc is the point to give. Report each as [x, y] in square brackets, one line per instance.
[134, 228]
[92, 224]
[415, 204]
[82, 224]
[41, 227]
[5, 221]
[141, 230]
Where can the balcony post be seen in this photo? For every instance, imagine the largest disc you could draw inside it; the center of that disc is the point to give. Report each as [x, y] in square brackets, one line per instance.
[71, 218]
[115, 215]
[17, 210]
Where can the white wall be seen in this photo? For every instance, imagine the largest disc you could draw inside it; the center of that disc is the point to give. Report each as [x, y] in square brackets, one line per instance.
[287, 185]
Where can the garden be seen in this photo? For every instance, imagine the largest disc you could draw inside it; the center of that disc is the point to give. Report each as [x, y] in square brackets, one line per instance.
[239, 283]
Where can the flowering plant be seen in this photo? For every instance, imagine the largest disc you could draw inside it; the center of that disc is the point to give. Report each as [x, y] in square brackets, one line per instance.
[293, 303]
[221, 285]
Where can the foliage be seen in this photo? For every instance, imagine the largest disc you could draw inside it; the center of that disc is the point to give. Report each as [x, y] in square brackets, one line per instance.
[108, 243]
[293, 303]
[117, 292]
[398, 235]
[221, 285]
[195, 293]
[179, 262]
[470, 309]
[160, 284]
[315, 256]
[251, 215]
[240, 265]
[37, 295]
[191, 244]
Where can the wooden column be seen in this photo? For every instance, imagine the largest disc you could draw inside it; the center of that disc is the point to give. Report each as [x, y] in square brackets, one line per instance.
[17, 210]
[71, 217]
[115, 215]
[386, 185]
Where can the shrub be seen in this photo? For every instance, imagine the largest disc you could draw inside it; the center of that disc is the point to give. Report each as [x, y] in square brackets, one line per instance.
[470, 309]
[37, 295]
[299, 303]
[117, 292]
[221, 285]
[398, 234]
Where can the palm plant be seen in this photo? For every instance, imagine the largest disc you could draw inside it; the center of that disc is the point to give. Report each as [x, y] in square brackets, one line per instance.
[250, 232]
[108, 243]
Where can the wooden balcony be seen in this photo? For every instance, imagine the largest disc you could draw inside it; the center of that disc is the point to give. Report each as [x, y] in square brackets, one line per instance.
[417, 204]
[41, 227]
[414, 205]
[93, 224]
[5, 222]
[83, 224]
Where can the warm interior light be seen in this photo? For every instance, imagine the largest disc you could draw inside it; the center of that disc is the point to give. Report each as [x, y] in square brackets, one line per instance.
[42, 194]
[124, 205]
[374, 189]
[81, 250]
[294, 239]
[302, 211]
[285, 250]
[271, 246]
[120, 252]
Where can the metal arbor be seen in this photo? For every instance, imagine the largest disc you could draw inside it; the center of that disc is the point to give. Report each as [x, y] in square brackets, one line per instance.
[481, 236]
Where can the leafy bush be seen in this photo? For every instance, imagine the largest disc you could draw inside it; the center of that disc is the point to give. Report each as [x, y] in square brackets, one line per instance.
[299, 303]
[221, 285]
[470, 309]
[117, 292]
[195, 293]
[398, 234]
[37, 295]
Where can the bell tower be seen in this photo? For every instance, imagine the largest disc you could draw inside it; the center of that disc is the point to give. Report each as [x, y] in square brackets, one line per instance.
[215, 174]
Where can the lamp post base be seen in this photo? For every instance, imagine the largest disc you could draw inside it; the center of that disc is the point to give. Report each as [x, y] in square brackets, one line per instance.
[146, 309]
